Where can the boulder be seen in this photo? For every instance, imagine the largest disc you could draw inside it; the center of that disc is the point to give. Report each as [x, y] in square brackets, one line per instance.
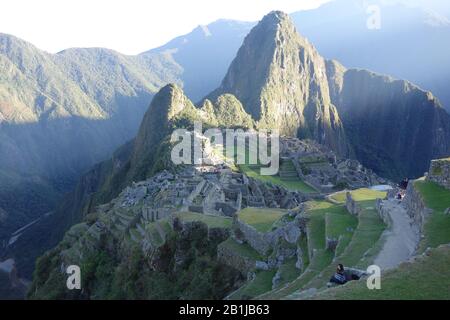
[261, 265]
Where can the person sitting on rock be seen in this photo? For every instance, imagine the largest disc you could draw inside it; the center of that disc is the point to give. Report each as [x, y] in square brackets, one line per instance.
[339, 277]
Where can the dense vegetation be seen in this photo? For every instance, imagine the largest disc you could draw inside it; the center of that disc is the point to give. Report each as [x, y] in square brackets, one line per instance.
[113, 273]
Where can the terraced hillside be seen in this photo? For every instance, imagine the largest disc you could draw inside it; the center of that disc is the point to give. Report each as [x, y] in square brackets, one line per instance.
[356, 245]
[436, 230]
[425, 276]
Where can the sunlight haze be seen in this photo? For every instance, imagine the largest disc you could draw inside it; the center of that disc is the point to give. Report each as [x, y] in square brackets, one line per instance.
[130, 26]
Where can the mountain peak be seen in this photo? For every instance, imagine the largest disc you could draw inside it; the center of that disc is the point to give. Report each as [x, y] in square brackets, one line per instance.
[276, 16]
[168, 103]
[276, 23]
[280, 79]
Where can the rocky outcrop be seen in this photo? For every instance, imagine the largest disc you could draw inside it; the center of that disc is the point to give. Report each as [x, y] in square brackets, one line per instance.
[440, 172]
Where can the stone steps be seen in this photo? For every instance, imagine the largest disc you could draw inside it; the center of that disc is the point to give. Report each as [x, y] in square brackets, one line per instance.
[348, 258]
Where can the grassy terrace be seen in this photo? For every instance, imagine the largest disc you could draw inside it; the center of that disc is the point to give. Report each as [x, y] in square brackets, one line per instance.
[262, 283]
[437, 226]
[288, 271]
[351, 253]
[209, 220]
[294, 185]
[261, 219]
[316, 243]
[154, 234]
[358, 240]
[339, 224]
[427, 278]
[363, 194]
[290, 183]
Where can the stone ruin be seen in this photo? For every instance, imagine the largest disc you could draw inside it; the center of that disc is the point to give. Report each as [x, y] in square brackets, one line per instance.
[321, 168]
[351, 205]
[440, 172]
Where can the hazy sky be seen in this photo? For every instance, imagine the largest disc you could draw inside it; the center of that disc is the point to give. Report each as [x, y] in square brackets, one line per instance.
[129, 26]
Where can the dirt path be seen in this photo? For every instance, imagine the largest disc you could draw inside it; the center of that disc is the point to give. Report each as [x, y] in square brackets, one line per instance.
[401, 238]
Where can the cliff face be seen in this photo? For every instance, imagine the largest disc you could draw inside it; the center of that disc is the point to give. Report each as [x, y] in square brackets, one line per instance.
[281, 81]
[394, 127]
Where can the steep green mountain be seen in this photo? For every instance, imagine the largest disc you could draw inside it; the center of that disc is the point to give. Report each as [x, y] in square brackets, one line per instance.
[280, 79]
[59, 115]
[338, 29]
[149, 152]
[312, 91]
[91, 100]
[284, 83]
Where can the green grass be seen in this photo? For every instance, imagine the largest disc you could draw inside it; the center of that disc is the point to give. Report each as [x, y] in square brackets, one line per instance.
[209, 220]
[427, 278]
[321, 259]
[366, 235]
[260, 218]
[339, 224]
[262, 283]
[316, 243]
[252, 171]
[363, 194]
[338, 221]
[288, 271]
[154, 234]
[243, 250]
[437, 225]
[333, 220]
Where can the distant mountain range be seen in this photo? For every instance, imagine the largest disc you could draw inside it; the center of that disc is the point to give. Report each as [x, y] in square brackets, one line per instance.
[277, 80]
[62, 113]
[409, 36]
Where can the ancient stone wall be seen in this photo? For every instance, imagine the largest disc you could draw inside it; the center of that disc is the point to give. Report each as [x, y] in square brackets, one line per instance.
[415, 206]
[383, 212]
[264, 242]
[231, 258]
[440, 172]
[351, 205]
